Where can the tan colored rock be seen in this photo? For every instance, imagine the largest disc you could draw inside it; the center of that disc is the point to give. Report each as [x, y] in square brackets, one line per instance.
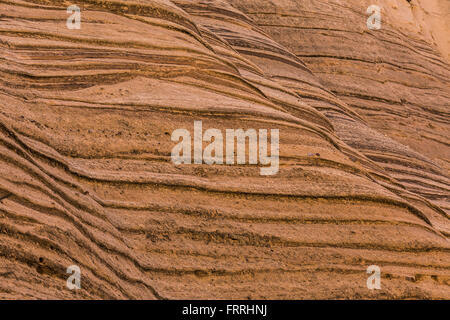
[86, 176]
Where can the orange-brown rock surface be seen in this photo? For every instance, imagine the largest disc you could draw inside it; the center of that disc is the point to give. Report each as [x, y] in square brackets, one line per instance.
[86, 176]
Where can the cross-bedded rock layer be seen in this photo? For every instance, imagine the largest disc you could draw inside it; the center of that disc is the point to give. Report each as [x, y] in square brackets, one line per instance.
[86, 176]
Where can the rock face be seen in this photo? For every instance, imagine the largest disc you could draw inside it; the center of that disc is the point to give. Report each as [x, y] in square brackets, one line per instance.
[87, 179]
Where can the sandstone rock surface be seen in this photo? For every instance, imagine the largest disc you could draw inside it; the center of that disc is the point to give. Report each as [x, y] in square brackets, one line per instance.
[86, 176]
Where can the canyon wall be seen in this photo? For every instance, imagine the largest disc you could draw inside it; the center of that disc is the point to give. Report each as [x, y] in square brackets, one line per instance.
[87, 179]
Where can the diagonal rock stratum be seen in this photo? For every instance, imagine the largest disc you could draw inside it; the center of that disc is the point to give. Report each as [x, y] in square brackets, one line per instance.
[86, 176]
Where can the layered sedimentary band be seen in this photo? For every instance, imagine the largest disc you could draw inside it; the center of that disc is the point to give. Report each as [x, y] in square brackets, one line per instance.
[87, 179]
